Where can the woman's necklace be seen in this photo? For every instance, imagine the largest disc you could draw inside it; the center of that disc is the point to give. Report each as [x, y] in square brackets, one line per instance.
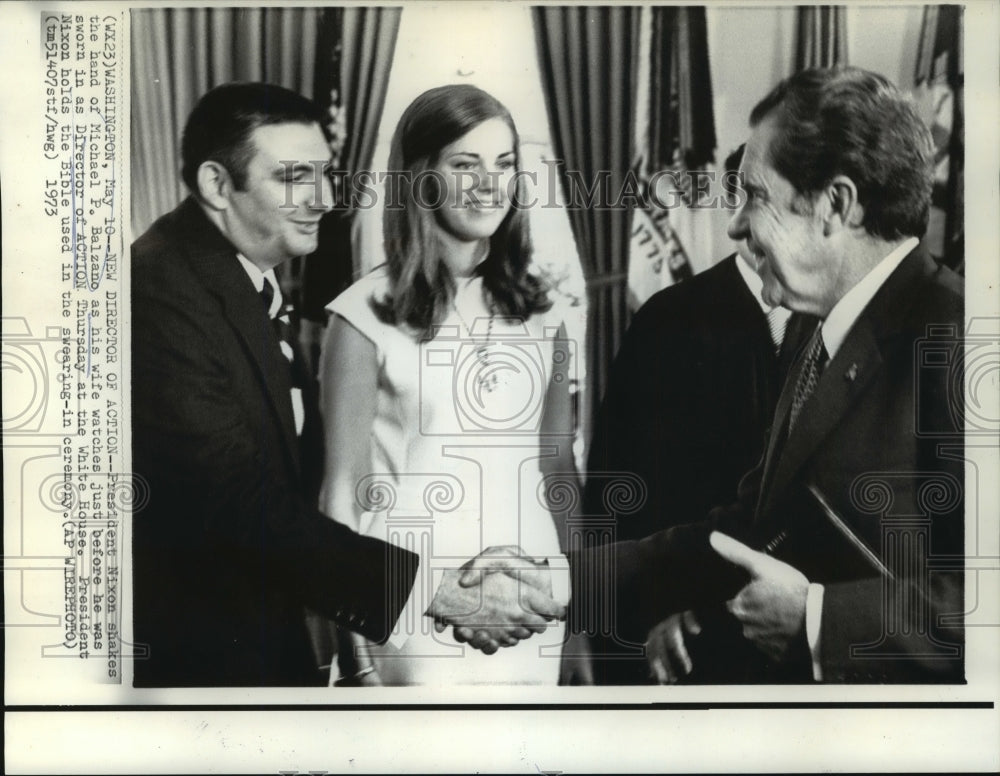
[486, 378]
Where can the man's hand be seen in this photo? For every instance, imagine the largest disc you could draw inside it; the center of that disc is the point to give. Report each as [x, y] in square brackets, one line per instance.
[491, 610]
[772, 606]
[512, 561]
[665, 649]
[576, 667]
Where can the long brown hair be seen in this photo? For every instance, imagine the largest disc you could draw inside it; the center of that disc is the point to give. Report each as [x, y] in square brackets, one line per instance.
[421, 286]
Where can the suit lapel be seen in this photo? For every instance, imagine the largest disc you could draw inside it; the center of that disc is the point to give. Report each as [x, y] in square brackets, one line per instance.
[779, 423]
[842, 383]
[213, 260]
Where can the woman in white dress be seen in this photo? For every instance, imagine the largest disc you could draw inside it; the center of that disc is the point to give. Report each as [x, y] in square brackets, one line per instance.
[445, 385]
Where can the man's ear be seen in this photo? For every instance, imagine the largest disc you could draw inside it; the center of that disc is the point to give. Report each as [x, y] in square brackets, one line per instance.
[215, 185]
[843, 209]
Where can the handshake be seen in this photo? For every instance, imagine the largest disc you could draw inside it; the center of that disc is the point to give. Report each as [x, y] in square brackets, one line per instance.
[497, 599]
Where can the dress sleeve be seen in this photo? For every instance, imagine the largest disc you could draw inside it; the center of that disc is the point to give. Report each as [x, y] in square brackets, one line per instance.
[355, 306]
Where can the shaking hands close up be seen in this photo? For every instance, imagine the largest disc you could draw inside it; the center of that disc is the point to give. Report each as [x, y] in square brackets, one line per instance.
[497, 599]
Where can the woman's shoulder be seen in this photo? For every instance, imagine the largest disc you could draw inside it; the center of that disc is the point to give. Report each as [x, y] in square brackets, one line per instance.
[375, 282]
[357, 298]
[354, 305]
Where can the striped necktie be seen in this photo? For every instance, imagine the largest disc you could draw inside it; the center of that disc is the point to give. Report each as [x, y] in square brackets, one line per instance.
[812, 367]
[777, 322]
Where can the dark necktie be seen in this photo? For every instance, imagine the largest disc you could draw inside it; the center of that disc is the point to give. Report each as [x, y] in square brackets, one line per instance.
[309, 425]
[286, 341]
[812, 367]
[267, 294]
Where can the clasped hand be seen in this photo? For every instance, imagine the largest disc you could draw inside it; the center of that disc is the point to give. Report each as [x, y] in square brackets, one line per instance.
[490, 610]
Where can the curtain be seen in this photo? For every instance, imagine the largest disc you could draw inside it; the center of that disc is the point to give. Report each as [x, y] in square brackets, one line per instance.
[940, 92]
[178, 54]
[587, 58]
[821, 39]
[360, 42]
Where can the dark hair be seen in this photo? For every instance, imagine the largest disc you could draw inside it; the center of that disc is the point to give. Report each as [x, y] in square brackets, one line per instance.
[847, 121]
[421, 286]
[220, 126]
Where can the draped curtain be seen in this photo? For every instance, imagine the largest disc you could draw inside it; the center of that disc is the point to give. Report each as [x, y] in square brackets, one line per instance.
[821, 39]
[587, 58]
[360, 42]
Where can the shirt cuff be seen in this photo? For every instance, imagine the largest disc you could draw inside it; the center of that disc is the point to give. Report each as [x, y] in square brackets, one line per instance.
[814, 617]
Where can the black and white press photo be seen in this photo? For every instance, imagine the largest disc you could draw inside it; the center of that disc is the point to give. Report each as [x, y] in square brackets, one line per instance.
[388, 386]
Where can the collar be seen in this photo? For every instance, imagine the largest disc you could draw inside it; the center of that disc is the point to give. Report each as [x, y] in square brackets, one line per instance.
[846, 312]
[257, 278]
[777, 317]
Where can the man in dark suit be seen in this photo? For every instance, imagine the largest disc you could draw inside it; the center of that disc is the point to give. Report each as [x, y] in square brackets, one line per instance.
[691, 393]
[842, 558]
[231, 547]
[690, 398]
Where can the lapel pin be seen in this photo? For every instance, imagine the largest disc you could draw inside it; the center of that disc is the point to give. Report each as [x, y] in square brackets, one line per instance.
[852, 373]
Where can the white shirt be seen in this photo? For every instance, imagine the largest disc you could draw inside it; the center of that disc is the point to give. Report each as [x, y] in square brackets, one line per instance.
[836, 327]
[777, 317]
[846, 312]
[257, 278]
